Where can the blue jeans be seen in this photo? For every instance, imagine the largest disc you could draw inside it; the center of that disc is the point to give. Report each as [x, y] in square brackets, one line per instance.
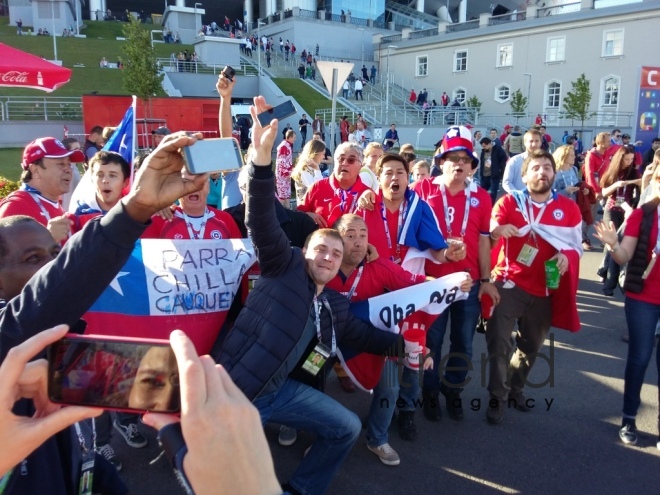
[464, 317]
[492, 185]
[642, 318]
[336, 428]
[387, 395]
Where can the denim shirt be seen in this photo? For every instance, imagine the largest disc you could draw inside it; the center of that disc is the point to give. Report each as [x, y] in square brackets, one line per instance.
[564, 179]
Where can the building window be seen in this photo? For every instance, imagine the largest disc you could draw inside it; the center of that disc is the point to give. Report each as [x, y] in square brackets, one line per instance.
[556, 49]
[553, 94]
[505, 55]
[422, 66]
[613, 43]
[460, 61]
[459, 94]
[610, 91]
[502, 93]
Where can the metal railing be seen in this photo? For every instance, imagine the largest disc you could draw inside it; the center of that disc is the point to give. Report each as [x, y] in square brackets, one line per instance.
[568, 8]
[44, 108]
[310, 14]
[602, 4]
[171, 65]
[423, 34]
[506, 18]
[391, 39]
[463, 26]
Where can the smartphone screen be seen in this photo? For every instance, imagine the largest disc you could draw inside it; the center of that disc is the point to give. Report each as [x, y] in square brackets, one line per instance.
[281, 111]
[213, 155]
[119, 374]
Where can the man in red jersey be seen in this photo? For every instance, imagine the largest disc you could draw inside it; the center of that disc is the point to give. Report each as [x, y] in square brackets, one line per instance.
[46, 176]
[193, 219]
[463, 210]
[328, 199]
[531, 227]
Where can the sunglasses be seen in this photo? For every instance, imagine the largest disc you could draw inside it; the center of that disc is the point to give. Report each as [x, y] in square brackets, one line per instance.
[457, 159]
[348, 159]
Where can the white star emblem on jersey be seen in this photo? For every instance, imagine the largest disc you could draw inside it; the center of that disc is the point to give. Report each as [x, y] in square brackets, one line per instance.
[115, 283]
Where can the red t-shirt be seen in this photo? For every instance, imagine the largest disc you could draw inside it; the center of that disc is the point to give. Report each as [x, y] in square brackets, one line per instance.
[376, 277]
[220, 225]
[651, 291]
[478, 223]
[560, 212]
[23, 203]
[327, 199]
[378, 237]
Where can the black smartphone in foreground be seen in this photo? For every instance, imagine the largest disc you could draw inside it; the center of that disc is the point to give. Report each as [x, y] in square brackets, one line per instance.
[115, 373]
[281, 111]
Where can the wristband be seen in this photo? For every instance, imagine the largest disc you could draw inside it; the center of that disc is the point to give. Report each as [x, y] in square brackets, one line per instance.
[484, 280]
[447, 257]
[613, 249]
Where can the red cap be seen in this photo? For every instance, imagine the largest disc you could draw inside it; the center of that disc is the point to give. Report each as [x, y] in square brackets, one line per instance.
[507, 127]
[48, 147]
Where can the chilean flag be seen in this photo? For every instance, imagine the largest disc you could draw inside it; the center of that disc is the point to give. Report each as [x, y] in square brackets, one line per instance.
[395, 311]
[172, 284]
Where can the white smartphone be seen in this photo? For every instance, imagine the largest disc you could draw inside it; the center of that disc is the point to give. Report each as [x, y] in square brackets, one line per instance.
[213, 155]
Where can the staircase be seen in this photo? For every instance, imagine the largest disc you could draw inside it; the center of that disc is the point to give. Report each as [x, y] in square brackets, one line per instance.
[402, 15]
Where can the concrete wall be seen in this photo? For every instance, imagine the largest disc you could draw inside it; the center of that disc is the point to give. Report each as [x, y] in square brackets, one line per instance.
[17, 134]
[203, 85]
[219, 51]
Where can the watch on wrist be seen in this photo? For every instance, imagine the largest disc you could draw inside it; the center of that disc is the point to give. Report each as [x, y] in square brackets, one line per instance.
[484, 280]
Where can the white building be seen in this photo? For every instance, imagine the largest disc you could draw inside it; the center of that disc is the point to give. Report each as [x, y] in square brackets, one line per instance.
[540, 51]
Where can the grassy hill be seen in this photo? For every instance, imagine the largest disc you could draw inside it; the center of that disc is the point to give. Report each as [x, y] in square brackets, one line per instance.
[101, 42]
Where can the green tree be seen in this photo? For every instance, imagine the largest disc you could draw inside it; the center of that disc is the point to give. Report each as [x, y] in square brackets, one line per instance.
[141, 76]
[518, 104]
[577, 101]
[474, 104]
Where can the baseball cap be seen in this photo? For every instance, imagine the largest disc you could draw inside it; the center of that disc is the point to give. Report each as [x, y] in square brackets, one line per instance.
[162, 131]
[507, 127]
[48, 147]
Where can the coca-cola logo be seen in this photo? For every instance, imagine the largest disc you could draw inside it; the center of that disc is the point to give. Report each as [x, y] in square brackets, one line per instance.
[14, 76]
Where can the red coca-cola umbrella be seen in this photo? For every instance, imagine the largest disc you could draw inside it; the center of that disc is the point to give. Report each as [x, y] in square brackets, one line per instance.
[19, 69]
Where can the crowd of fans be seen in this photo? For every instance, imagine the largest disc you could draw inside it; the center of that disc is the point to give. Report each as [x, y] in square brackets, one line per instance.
[361, 230]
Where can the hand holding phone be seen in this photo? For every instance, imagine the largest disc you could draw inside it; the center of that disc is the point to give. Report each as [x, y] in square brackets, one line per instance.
[281, 111]
[20, 435]
[114, 373]
[213, 155]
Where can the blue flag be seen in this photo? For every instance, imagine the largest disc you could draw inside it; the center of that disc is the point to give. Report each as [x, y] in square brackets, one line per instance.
[122, 139]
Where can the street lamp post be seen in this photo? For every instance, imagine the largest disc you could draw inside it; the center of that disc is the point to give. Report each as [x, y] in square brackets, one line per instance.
[196, 30]
[362, 29]
[52, 13]
[259, 47]
[387, 86]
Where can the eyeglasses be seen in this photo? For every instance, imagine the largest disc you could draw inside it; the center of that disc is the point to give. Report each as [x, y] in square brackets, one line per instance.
[348, 159]
[457, 159]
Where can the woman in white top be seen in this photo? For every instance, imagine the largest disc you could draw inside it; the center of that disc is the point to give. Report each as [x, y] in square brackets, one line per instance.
[372, 153]
[307, 170]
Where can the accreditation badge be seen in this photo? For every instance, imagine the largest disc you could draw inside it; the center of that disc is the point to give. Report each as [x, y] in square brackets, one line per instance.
[87, 472]
[316, 359]
[527, 255]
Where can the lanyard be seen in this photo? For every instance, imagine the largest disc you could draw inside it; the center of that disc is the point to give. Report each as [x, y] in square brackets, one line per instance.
[37, 200]
[317, 322]
[657, 242]
[344, 194]
[191, 233]
[446, 207]
[355, 283]
[402, 213]
[81, 438]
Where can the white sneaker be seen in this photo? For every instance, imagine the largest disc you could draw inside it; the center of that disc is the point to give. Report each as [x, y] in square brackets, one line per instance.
[386, 454]
[287, 436]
